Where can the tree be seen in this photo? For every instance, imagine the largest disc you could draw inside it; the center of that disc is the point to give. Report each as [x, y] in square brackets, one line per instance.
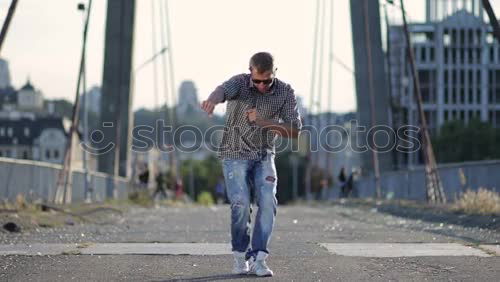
[459, 142]
[206, 174]
[285, 176]
[62, 108]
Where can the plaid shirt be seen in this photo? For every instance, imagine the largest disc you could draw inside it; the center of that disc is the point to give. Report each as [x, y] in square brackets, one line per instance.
[245, 141]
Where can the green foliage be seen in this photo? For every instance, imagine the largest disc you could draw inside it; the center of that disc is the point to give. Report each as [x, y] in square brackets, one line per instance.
[206, 174]
[472, 142]
[205, 198]
[285, 176]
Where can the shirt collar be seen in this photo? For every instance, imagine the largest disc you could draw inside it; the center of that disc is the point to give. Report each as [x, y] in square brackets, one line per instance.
[269, 92]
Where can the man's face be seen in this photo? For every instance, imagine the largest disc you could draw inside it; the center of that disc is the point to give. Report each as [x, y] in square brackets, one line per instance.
[262, 81]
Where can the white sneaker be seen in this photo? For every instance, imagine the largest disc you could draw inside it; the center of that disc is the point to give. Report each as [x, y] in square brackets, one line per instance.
[240, 263]
[258, 265]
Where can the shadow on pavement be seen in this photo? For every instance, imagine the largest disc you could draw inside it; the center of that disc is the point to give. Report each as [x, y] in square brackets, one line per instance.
[429, 214]
[437, 215]
[213, 278]
[426, 213]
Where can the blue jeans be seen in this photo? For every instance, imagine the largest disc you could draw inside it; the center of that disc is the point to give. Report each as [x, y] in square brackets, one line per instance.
[241, 176]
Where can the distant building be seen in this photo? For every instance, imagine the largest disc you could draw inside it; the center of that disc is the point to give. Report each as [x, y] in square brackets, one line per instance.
[458, 65]
[30, 138]
[438, 10]
[8, 99]
[188, 99]
[4, 74]
[25, 136]
[94, 99]
[29, 99]
[34, 129]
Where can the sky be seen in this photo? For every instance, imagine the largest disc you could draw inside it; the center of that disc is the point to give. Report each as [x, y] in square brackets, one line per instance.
[211, 41]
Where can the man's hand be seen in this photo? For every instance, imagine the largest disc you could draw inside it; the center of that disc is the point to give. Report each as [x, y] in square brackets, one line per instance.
[279, 128]
[208, 107]
[252, 115]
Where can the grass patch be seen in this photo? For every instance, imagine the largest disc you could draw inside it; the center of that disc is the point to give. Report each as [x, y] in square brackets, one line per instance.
[482, 201]
[141, 198]
[71, 253]
[31, 214]
[83, 245]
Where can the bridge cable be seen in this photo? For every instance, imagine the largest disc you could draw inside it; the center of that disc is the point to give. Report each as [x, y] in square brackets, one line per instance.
[310, 117]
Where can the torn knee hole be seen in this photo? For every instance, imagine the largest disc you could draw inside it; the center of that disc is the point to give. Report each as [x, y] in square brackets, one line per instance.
[271, 179]
[239, 203]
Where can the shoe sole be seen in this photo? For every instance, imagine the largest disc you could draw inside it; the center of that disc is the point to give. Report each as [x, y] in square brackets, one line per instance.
[239, 273]
[266, 275]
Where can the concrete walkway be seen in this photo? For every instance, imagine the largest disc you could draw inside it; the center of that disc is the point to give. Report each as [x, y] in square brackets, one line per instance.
[321, 243]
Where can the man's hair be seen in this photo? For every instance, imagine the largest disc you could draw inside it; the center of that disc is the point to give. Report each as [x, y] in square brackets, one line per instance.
[262, 62]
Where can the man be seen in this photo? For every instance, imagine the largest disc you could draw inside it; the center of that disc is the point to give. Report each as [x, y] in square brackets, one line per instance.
[342, 181]
[259, 107]
[160, 186]
[144, 177]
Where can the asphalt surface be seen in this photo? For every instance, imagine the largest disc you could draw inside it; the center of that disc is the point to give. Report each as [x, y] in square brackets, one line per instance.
[296, 254]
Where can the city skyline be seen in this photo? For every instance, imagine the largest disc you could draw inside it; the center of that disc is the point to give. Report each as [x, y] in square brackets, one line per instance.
[291, 42]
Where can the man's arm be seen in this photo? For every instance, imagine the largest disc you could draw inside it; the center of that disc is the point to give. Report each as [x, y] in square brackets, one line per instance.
[228, 90]
[289, 113]
[282, 129]
[215, 98]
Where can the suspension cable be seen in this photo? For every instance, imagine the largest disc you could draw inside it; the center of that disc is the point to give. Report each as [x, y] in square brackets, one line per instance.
[153, 43]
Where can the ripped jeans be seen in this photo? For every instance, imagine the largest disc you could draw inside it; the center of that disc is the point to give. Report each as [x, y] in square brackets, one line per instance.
[241, 176]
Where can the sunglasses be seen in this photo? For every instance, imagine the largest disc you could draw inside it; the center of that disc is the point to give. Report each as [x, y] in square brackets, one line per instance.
[265, 81]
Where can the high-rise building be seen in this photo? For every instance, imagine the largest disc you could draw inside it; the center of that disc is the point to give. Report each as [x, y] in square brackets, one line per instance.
[94, 99]
[438, 10]
[188, 99]
[4, 74]
[458, 63]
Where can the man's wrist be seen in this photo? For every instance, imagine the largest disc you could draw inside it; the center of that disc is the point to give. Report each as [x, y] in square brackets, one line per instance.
[213, 101]
[262, 122]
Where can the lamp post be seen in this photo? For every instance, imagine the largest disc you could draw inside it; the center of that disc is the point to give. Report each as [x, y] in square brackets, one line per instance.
[294, 161]
[88, 197]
